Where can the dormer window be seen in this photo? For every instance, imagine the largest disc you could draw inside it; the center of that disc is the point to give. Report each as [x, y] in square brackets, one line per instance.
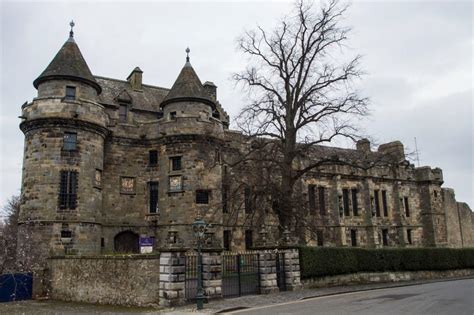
[70, 93]
[123, 112]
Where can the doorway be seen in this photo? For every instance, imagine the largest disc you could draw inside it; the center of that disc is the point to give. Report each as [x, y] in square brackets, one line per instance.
[126, 242]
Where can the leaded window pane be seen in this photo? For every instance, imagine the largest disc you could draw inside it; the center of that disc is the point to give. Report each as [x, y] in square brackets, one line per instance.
[70, 93]
[70, 141]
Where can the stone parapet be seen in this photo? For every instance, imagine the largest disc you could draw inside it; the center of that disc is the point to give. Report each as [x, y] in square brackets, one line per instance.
[381, 277]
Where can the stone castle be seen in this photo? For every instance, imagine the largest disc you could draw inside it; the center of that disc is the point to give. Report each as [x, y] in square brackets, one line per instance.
[109, 162]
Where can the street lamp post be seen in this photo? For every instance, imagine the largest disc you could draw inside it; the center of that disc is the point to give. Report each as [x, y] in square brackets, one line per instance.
[199, 228]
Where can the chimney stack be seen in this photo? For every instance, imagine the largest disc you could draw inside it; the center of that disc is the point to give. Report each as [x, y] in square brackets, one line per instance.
[363, 145]
[135, 79]
[211, 89]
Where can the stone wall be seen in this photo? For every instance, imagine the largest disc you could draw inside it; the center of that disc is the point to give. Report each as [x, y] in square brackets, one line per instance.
[466, 224]
[454, 235]
[111, 146]
[381, 277]
[119, 280]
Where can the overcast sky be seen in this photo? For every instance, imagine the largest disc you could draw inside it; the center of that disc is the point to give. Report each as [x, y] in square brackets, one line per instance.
[417, 55]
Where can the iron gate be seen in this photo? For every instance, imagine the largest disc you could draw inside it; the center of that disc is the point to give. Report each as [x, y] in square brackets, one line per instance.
[191, 276]
[240, 274]
[16, 287]
[280, 271]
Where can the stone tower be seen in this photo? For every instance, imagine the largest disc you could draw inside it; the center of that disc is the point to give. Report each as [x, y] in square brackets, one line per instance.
[193, 134]
[64, 129]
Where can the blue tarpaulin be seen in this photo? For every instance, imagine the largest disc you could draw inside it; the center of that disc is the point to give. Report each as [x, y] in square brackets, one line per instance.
[16, 287]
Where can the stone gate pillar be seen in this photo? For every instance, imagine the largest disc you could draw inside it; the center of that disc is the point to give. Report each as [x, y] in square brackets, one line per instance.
[292, 269]
[267, 270]
[212, 273]
[172, 276]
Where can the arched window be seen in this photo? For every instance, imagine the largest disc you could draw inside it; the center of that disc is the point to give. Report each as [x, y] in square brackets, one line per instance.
[126, 242]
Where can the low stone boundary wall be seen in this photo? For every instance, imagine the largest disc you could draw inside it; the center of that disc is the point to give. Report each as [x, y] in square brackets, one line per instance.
[381, 277]
[119, 280]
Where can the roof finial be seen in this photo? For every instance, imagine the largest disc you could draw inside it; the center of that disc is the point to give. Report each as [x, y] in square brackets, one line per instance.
[187, 54]
[71, 32]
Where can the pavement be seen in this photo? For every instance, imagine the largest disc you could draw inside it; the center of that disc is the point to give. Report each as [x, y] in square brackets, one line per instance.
[240, 305]
[453, 297]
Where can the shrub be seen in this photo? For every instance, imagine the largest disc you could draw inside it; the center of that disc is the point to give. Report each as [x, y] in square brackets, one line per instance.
[327, 261]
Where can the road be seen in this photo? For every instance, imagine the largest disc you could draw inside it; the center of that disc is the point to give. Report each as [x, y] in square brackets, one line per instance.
[450, 297]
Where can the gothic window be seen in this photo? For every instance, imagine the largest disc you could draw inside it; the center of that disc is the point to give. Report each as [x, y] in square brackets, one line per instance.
[341, 207]
[407, 207]
[153, 187]
[345, 200]
[384, 203]
[321, 201]
[312, 198]
[175, 163]
[354, 238]
[68, 190]
[247, 200]
[127, 185]
[248, 239]
[385, 237]
[355, 210]
[409, 236]
[217, 154]
[202, 196]
[98, 178]
[70, 141]
[226, 240]
[153, 158]
[70, 93]
[225, 198]
[377, 202]
[123, 113]
[175, 184]
[320, 237]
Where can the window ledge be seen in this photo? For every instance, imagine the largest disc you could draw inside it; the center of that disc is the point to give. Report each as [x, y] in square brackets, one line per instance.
[128, 193]
[175, 191]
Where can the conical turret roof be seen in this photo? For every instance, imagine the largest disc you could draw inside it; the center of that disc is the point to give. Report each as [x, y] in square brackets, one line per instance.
[68, 64]
[188, 87]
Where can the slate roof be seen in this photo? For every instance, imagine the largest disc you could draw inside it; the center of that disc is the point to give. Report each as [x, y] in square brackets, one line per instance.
[188, 87]
[149, 98]
[68, 64]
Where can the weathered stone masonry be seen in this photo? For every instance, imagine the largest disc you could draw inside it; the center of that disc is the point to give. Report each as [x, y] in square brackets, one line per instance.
[94, 194]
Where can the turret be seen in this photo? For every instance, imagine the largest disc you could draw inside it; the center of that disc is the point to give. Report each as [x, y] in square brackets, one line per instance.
[68, 75]
[64, 131]
[189, 108]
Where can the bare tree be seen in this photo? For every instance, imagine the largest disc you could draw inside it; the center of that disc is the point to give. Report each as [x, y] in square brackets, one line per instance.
[301, 90]
[8, 235]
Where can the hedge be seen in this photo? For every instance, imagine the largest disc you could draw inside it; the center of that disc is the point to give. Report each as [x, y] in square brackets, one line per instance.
[327, 261]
